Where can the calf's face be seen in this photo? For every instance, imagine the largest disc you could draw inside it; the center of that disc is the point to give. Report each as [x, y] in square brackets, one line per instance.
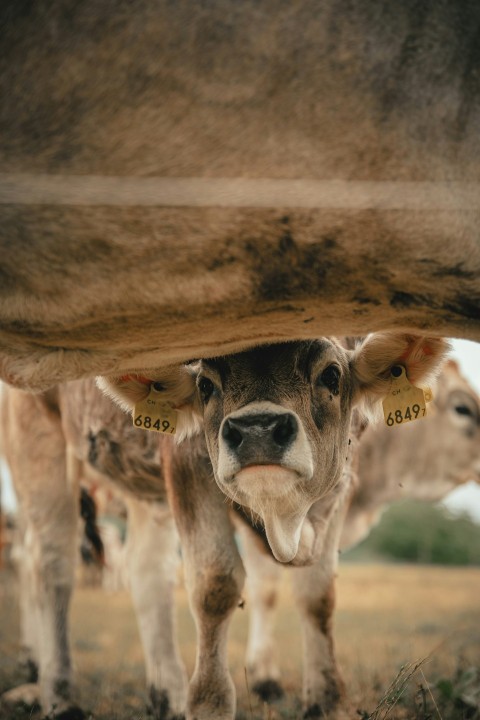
[276, 418]
[276, 422]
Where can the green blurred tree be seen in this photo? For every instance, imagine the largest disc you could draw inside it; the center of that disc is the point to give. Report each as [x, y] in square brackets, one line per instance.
[413, 531]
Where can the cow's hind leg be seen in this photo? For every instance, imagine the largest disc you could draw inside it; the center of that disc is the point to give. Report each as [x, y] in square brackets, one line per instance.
[215, 576]
[49, 508]
[152, 559]
[263, 578]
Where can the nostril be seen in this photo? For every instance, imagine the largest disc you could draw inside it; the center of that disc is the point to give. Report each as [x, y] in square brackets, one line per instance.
[231, 435]
[285, 430]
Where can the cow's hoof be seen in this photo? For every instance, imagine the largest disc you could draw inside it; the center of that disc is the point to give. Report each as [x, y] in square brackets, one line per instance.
[28, 664]
[268, 690]
[319, 711]
[32, 670]
[159, 706]
[71, 713]
[314, 712]
[27, 695]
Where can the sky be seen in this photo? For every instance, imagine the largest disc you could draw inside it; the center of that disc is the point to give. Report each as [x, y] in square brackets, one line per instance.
[463, 499]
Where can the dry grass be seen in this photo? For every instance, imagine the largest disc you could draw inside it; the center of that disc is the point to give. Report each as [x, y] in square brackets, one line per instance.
[389, 619]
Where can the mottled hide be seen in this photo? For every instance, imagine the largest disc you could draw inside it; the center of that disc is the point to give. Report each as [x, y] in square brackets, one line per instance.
[186, 180]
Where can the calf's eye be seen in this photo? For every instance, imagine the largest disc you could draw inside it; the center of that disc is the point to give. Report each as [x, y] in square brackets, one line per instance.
[206, 388]
[330, 377]
[463, 410]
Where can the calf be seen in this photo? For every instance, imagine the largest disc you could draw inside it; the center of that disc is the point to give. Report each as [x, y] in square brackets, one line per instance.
[426, 461]
[277, 425]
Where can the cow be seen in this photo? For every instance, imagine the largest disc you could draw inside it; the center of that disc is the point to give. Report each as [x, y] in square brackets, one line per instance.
[422, 460]
[183, 181]
[446, 453]
[72, 422]
[52, 441]
[277, 428]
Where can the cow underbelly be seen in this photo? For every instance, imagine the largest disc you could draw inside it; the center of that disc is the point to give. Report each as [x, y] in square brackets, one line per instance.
[179, 187]
[145, 287]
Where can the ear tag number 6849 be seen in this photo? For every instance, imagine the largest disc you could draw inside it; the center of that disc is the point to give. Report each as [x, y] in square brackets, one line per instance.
[154, 414]
[405, 402]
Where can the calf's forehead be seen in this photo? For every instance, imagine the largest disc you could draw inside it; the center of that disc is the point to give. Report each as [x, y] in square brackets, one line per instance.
[275, 366]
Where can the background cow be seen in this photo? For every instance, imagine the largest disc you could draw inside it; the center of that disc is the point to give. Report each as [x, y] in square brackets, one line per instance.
[51, 441]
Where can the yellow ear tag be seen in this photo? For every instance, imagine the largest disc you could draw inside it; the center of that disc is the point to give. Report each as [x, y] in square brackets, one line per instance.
[404, 401]
[155, 414]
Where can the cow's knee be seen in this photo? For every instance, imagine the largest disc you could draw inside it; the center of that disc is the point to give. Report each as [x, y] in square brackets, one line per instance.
[218, 593]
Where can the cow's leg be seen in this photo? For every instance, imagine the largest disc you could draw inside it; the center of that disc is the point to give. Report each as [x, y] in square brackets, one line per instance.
[49, 506]
[314, 590]
[214, 575]
[263, 577]
[152, 560]
[28, 624]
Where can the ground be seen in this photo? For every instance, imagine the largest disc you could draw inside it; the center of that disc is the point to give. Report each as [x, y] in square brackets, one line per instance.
[389, 618]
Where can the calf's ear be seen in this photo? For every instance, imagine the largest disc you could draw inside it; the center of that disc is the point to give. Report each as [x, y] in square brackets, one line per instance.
[373, 359]
[176, 385]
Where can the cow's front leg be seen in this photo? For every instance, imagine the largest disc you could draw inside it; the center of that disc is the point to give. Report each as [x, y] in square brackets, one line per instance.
[214, 575]
[322, 683]
[263, 578]
[152, 559]
[314, 590]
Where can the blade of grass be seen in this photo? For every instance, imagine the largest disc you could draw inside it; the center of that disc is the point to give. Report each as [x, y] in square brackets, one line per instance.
[431, 695]
[395, 690]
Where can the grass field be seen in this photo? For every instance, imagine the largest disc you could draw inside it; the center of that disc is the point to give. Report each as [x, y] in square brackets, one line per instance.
[389, 617]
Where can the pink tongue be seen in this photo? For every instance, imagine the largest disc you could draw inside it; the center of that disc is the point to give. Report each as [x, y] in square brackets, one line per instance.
[283, 535]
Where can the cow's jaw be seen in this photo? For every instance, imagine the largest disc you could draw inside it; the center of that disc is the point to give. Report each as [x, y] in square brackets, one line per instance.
[272, 492]
[276, 484]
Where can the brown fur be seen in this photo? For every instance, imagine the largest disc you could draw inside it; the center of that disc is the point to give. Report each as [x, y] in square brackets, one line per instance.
[321, 611]
[365, 93]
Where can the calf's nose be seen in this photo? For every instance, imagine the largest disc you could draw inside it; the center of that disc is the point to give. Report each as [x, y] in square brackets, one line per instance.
[263, 436]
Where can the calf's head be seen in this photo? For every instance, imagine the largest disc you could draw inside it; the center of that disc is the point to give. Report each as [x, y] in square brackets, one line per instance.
[453, 438]
[276, 418]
